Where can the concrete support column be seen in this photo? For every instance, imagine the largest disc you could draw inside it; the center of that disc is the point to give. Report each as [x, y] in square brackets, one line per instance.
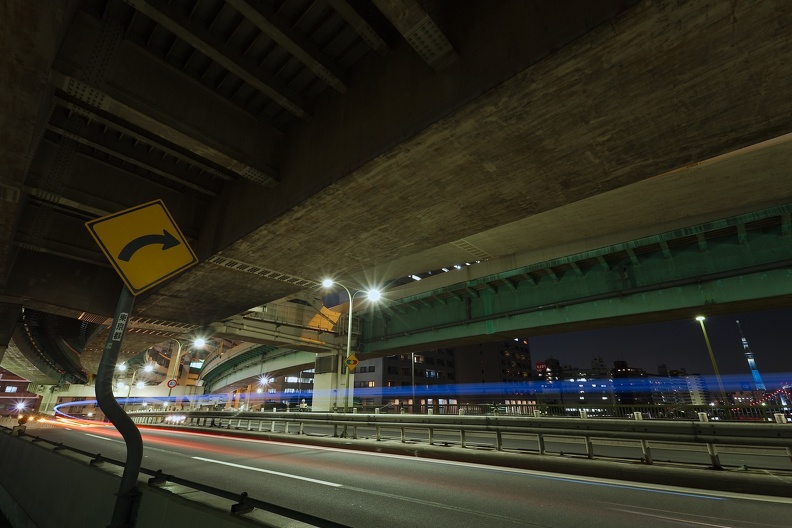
[325, 392]
[9, 315]
[327, 372]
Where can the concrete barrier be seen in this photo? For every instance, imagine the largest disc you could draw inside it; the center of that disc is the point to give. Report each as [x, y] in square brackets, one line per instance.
[44, 488]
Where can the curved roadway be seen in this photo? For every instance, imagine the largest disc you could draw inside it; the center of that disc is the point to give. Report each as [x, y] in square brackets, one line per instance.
[365, 489]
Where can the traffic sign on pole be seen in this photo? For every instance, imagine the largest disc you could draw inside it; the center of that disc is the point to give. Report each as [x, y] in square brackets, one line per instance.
[144, 245]
[172, 383]
[351, 362]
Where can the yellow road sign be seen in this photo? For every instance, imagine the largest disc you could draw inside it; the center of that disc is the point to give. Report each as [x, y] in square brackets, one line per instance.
[144, 245]
[351, 362]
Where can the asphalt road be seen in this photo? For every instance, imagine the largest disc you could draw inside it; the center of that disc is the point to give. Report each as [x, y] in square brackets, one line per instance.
[366, 489]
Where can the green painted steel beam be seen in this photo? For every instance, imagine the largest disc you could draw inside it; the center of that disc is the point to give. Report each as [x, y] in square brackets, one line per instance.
[732, 261]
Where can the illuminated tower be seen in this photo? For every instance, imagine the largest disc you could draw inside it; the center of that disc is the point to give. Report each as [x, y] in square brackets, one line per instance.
[760, 386]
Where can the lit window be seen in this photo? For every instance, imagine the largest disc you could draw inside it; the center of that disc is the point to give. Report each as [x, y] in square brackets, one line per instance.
[371, 383]
[11, 388]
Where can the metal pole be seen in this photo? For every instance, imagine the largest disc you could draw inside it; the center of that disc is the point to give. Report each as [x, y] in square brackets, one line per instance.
[175, 366]
[714, 364]
[412, 375]
[125, 512]
[348, 348]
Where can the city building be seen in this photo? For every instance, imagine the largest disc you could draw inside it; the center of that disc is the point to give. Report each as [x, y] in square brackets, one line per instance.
[14, 395]
[445, 379]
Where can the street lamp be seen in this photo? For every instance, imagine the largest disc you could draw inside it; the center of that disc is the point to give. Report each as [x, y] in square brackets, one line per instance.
[373, 295]
[700, 319]
[122, 367]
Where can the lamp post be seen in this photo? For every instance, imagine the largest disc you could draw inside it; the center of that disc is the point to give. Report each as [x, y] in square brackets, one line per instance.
[412, 376]
[701, 319]
[373, 295]
[173, 366]
[122, 367]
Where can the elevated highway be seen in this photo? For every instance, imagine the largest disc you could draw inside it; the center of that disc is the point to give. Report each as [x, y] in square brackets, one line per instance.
[294, 140]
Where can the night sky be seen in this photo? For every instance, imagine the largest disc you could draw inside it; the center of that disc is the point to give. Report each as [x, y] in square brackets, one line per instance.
[680, 344]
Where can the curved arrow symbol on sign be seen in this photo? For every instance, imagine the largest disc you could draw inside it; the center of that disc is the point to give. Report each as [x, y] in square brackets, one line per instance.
[166, 239]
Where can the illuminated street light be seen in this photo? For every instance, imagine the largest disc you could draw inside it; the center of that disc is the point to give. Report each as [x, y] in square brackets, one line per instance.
[140, 384]
[373, 295]
[701, 319]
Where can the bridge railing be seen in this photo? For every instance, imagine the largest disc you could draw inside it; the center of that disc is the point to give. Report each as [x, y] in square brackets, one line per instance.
[747, 413]
[638, 431]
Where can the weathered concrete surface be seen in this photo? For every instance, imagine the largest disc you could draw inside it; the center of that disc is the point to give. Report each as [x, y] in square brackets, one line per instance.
[557, 128]
[624, 109]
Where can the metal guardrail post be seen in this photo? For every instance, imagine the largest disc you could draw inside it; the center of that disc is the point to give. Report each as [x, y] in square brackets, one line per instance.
[712, 450]
[589, 447]
[462, 437]
[431, 436]
[782, 419]
[540, 439]
[377, 429]
[499, 441]
[647, 453]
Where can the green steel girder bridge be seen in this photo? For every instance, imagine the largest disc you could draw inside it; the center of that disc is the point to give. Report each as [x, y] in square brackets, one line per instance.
[743, 262]
[739, 263]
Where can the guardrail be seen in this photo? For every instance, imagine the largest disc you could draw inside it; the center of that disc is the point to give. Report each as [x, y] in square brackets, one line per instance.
[711, 434]
[241, 502]
[740, 413]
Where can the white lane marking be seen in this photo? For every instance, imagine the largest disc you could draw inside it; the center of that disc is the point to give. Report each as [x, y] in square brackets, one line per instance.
[104, 438]
[674, 519]
[278, 473]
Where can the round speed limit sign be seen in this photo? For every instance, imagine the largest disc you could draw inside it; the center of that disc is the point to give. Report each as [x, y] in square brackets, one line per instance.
[172, 383]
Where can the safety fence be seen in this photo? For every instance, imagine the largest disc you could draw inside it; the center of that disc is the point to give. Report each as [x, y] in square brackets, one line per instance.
[742, 413]
[637, 431]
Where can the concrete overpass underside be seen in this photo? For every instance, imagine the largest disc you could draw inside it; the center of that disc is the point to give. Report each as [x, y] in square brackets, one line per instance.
[369, 141]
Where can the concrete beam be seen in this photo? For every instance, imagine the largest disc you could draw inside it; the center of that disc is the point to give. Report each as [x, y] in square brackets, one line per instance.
[303, 50]
[272, 333]
[178, 23]
[418, 28]
[359, 24]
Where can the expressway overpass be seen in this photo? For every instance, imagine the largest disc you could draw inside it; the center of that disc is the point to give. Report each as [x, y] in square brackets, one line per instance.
[615, 148]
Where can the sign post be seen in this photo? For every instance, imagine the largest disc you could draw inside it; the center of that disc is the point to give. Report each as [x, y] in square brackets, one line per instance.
[146, 248]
